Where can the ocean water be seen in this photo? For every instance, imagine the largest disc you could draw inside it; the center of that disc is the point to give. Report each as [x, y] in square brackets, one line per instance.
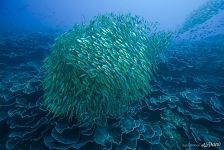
[183, 110]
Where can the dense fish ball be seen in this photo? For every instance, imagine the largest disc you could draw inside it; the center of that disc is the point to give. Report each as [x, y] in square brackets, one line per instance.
[97, 70]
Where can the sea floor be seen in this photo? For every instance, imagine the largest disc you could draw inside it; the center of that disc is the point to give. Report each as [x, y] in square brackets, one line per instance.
[185, 110]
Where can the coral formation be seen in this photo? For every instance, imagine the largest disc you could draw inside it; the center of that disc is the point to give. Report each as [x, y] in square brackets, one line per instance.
[184, 108]
[97, 70]
[169, 118]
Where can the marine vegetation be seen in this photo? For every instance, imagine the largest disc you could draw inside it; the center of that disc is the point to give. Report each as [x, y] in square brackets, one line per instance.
[97, 70]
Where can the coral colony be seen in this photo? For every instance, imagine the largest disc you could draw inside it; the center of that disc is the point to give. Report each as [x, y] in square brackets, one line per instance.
[114, 84]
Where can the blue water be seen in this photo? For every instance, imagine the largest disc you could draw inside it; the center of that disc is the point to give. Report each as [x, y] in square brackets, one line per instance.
[185, 110]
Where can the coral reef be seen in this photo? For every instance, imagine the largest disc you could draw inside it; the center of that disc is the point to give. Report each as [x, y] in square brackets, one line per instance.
[98, 70]
[184, 107]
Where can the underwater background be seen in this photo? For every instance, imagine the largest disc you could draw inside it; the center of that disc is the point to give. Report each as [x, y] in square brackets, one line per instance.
[184, 110]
